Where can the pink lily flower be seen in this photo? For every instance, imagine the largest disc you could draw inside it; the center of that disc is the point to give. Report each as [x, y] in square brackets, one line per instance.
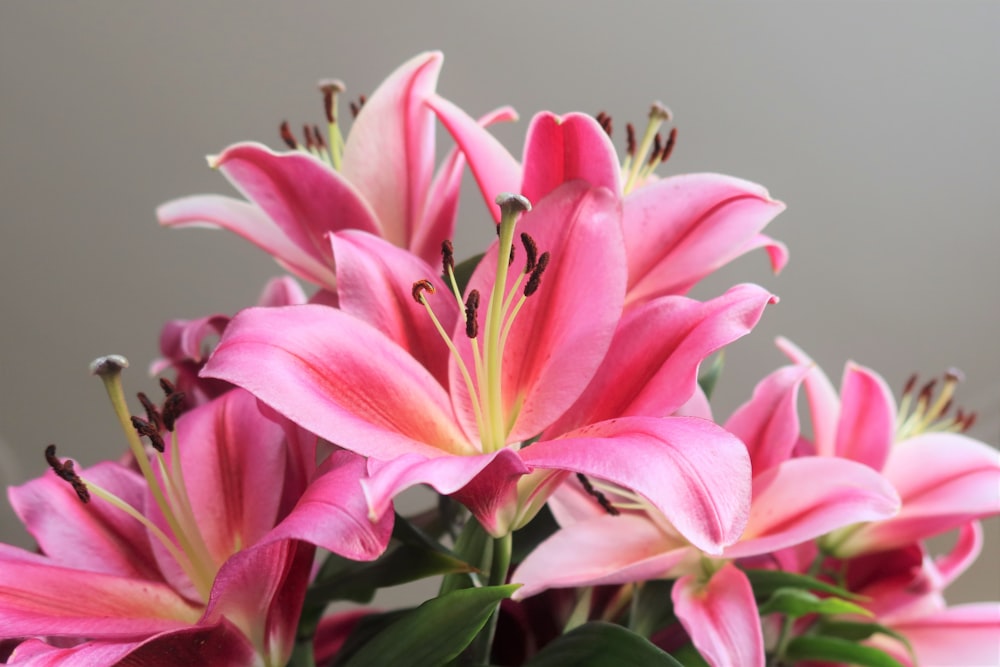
[207, 545]
[380, 180]
[676, 230]
[185, 344]
[944, 479]
[523, 348]
[610, 536]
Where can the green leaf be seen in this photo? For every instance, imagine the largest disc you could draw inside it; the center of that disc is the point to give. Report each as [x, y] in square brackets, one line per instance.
[833, 649]
[537, 531]
[475, 547]
[655, 608]
[368, 627]
[766, 582]
[709, 377]
[463, 271]
[859, 630]
[688, 656]
[796, 602]
[599, 644]
[433, 633]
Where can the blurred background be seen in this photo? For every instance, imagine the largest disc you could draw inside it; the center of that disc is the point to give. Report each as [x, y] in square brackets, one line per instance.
[875, 122]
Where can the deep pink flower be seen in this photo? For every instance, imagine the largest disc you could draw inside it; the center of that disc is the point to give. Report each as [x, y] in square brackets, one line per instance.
[460, 423]
[676, 230]
[204, 546]
[380, 180]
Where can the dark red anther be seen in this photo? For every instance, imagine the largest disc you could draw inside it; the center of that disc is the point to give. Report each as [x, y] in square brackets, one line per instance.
[419, 288]
[152, 412]
[630, 139]
[945, 407]
[910, 384]
[64, 470]
[536, 275]
[287, 136]
[307, 133]
[602, 500]
[669, 148]
[173, 406]
[531, 250]
[604, 120]
[970, 419]
[447, 257]
[144, 428]
[926, 391]
[320, 139]
[472, 314]
[167, 386]
[357, 106]
[654, 156]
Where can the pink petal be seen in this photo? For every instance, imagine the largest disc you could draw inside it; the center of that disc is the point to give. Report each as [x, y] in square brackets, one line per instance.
[824, 404]
[867, 424]
[691, 470]
[559, 149]
[962, 635]
[944, 481]
[967, 547]
[493, 167]
[603, 550]
[680, 229]
[561, 334]
[281, 291]
[721, 617]
[769, 422]
[339, 378]
[333, 513]
[651, 368]
[46, 599]
[801, 499]
[254, 225]
[95, 537]
[486, 484]
[438, 220]
[389, 154]
[374, 283]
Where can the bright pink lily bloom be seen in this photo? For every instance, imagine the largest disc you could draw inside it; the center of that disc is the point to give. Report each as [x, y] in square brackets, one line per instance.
[185, 344]
[945, 479]
[206, 546]
[676, 230]
[519, 361]
[609, 536]
[380, 180]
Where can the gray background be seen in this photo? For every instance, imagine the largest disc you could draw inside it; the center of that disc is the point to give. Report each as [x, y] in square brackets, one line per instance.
[875, 122]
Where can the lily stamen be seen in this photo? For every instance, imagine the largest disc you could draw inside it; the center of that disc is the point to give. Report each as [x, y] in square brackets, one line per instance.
[929, 415]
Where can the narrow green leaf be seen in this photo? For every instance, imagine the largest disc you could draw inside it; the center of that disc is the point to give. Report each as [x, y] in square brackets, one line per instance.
[433, 633]
[688, 656]
[833, 649]
[655, 608]
[796, 602]
[859, 630]
[599, 644]
[709, 377]
[766, 582]
[368, 627]
[537, 531]
[475, 547]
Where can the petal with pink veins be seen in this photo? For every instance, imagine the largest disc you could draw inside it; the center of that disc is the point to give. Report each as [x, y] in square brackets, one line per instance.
[824, 403]
[681, 228]
[961, 636]
[867, 424]
[691, 470]
[721, 618]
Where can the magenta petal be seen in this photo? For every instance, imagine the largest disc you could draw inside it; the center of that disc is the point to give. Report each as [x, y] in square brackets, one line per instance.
[561, 334]
[603, 550]
[281, 291]
[721, 618]
[389, 154]
[651, 368]
[374, 283]
[559, 149]
[682, 228]
[339, 378]
[333, 513]
[251, 223]
[769, 422]
[493, 167]
[967, 547]
[804, 498]
[486, 484]
[691, 470]
[867, 424]
[824, 404]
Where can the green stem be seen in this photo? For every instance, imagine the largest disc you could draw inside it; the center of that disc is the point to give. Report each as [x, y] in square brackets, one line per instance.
[483, 643]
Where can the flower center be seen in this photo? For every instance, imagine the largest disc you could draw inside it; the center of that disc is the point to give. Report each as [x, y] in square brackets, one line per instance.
[489, 338]
[314, 142]
[182, 539]
[642, 158]
[922, 412]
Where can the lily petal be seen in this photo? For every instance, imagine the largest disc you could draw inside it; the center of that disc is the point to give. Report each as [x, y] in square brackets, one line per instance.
[824, 403]
[691, 470]
[721, 617]
[340, 378]
[681, 228]
[867, 424]
[389, 154]
[962, 636]
[559, 149]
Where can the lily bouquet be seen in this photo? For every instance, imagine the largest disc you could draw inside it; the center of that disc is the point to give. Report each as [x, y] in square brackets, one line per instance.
[552, 390]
